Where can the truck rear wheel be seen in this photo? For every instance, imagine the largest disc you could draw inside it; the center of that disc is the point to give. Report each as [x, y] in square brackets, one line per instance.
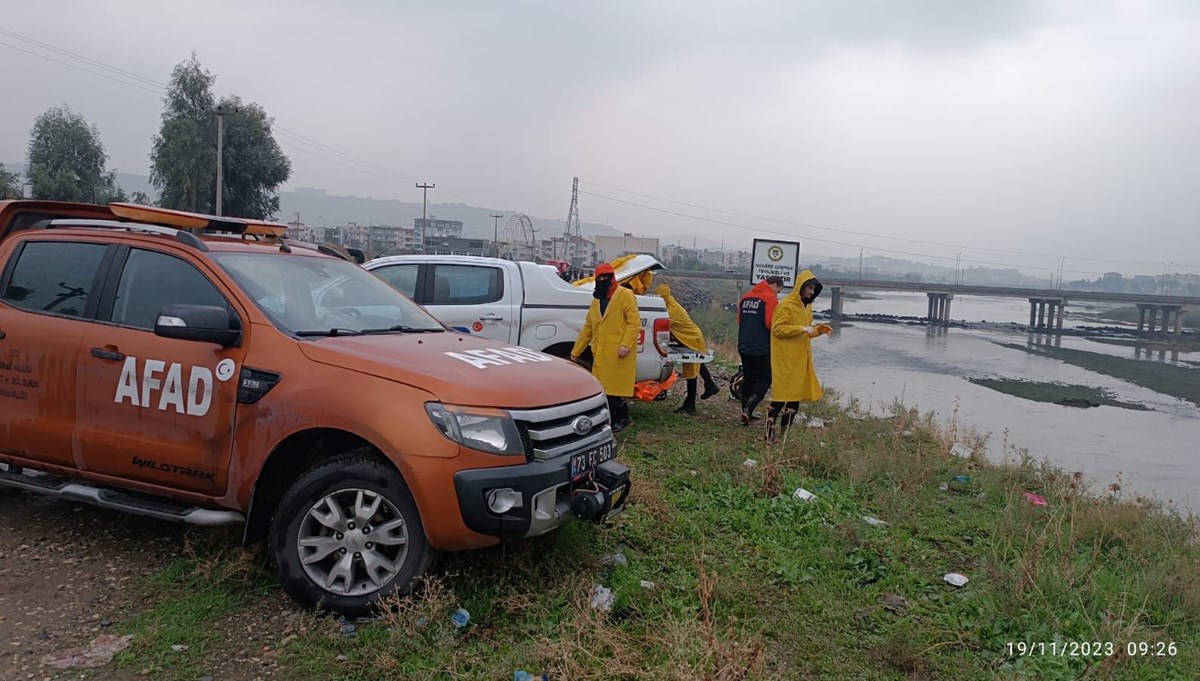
[346, 534]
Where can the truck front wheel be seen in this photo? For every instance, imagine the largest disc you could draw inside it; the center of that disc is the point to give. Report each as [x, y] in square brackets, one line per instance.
[346, 534]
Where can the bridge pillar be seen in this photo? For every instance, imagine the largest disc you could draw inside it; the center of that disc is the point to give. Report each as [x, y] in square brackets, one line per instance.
[1141, 318]
[837, 307]
[1046, 313]
[939, 307]
[1179, 321]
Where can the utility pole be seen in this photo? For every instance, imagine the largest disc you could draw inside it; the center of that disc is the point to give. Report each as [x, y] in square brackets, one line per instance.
[496, 234]
[860, 253]
[221, 111]
[957, 259]
[424, 207]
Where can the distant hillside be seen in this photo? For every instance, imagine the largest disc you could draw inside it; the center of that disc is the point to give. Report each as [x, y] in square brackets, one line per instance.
[316, 207]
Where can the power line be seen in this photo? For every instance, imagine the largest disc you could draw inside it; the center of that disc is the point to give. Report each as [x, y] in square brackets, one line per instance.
[68, 53]
[826, 241]
[79, 68]
[879, 236]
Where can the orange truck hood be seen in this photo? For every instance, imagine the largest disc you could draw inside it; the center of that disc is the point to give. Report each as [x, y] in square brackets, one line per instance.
[459, 369]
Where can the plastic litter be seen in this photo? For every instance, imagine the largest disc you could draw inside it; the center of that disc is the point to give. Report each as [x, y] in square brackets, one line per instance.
[816, 423]
[602, 598]
[961, 451]
[955, 579]
[750, 463]
[1035, 499]
[873, 521]
[906, 433]
[648, 586]
[944, 487]
[803, 494]
[617, 558]
[962, 478]
[460, 617]
[179, 648]
[97, 653]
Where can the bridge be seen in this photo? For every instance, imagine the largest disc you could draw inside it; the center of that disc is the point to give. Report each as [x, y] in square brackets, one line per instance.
[1158, 314]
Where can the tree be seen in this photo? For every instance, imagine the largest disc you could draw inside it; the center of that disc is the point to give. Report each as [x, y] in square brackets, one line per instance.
[184, 157]
[10, 184]
[66, 158]
[141, 199]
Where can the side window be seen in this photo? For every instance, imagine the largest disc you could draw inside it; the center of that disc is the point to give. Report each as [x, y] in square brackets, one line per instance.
[54, 276]
[403, 278]
[151, 280]
[466, 285]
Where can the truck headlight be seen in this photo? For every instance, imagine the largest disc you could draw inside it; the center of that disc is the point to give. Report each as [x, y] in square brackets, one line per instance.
[487, 430]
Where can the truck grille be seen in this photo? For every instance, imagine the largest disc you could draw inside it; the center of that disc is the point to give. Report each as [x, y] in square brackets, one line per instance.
[551, 432]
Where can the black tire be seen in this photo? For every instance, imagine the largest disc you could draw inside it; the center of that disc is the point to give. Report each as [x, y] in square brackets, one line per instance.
[337, 479]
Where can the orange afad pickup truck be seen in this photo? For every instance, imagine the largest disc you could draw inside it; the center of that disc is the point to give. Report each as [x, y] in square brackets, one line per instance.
[211, 371]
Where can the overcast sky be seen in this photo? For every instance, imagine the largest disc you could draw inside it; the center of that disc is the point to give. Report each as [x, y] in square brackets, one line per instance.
[1056, 128]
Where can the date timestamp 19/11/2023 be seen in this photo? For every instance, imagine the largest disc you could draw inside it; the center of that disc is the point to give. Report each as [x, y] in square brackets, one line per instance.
[1090, 648]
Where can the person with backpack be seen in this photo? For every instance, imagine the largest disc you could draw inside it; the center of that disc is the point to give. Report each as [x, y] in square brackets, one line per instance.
[756, 311]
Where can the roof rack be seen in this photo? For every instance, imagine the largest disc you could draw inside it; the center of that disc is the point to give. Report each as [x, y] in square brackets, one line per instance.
[182, 236]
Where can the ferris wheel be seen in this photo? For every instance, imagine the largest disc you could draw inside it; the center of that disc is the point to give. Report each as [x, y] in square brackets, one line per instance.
[519, 236]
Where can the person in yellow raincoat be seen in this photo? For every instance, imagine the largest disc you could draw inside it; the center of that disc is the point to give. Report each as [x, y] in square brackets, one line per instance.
[611, 328]
[793, 378]
[685, 331]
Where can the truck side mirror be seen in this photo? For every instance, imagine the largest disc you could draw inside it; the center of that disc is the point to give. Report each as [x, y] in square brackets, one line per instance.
[357, 255]
[202, 323]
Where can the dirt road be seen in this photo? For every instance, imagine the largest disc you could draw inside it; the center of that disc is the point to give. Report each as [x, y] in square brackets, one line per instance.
[72, 572]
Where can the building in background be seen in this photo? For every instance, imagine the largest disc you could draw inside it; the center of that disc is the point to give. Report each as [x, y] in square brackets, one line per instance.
[435, 227]
[611, 247]
[302, 232]
[452, 245]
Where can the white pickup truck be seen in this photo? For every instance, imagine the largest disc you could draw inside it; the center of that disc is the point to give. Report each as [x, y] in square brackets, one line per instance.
[522, 303]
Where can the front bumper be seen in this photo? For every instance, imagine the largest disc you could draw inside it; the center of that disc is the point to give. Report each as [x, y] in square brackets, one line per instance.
[546, 493]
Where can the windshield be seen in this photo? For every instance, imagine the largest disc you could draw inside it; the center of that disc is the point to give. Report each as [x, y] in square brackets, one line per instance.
[323, 296]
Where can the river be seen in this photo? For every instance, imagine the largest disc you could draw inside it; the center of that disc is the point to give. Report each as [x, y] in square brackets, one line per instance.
[927, 368]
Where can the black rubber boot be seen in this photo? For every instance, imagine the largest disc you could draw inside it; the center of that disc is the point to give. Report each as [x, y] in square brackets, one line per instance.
[619, 410]
[689, 402]
[710, 386]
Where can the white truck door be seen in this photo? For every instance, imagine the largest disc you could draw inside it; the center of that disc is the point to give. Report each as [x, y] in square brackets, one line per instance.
[474, 299]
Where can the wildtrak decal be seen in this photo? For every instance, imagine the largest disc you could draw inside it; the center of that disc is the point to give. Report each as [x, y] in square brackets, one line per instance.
[169, 468]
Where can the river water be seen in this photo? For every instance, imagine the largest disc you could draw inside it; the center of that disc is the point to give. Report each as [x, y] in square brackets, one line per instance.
[1152, 453]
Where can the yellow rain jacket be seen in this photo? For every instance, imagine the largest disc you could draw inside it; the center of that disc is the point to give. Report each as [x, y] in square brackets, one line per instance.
[793, 378]
[683, 329]
[620, 325]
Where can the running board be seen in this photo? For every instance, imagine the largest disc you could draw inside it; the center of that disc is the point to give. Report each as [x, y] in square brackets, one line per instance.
[73, 490]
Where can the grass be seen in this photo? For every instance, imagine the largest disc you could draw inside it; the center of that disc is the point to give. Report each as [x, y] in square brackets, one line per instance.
[1068, 395]
[1168, 379]
[750, 583]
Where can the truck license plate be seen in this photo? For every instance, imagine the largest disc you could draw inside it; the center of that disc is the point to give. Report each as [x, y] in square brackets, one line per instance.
[583, 462]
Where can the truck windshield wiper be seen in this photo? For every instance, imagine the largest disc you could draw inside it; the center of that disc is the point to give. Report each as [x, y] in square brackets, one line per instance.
[335, 331]
[404, 328]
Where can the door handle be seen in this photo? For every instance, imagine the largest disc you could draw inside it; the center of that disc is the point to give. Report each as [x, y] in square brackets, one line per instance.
[101, 353]
[491, 317]
[3, 335]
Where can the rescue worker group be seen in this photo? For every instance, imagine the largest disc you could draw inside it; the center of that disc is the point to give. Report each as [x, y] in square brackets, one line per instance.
[774, 342]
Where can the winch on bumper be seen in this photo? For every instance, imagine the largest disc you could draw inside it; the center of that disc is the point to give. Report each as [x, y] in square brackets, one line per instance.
[515, 502]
